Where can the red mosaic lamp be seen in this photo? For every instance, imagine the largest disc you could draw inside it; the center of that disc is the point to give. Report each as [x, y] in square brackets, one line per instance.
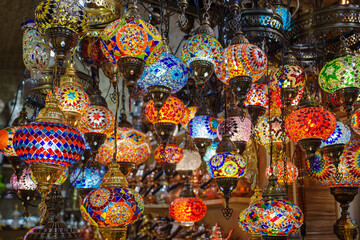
[169, 155]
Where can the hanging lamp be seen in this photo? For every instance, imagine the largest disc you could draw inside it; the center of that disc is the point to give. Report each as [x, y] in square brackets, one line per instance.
[257, 101]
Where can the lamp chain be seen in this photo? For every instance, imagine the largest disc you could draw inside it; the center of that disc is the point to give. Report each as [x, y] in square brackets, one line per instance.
[182, 18]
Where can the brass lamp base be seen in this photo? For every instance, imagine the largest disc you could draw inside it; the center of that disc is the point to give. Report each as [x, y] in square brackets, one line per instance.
[227, 186]
[255, 112]
[131, 69]
[347, 97]
[201, 71]
[289, 94]
[169, 168]
[126, 168]
[95, 141]
[159, 94]
[241, 146]
[310, 146]
[202, 144]
[165, 130]
[28, 196]
[17, 165]
[115, 233]
[255, 237]
[240, 85]
[344, 196]
[274, 237]
[334, 152]
[72, 118]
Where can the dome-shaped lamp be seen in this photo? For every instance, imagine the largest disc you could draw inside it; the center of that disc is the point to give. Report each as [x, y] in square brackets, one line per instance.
[289, 79]
[243, 64]
[114, 206]
[165, 120]
[227, 166]
[62, 22]
[257, 101]
[309, 126]
[202, 53]
[287, 176]
[168, 156]
[341, 77]
[131, 43]
[133, 148]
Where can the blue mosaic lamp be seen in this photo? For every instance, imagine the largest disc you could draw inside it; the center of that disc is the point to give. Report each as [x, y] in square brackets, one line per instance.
[88, 178]
[166, 76]
[284, 13]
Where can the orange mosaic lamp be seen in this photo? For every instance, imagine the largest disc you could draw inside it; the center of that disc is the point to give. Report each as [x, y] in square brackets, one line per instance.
[170, 155]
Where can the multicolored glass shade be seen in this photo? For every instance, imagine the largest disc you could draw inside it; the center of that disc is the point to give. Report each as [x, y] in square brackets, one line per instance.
[227, 164]
[271, 218]
[341, 135]
[97, 119]
[112, 207]
[46, 142]
[190, 162]
[262, 130]
[355, 122]
[285, 16]
[340, 73]
[62, 13]
[31, 231]
[72, 99]
[25, 182]
[171, 154]
[89, 177]
[239, 128]
[188, 115]
[310, 122]
[283, 177]
[84, 50]
[211, 151]
[132, 146]
[242, 60]
[172, 111]
[187, 210]
[203, 126]
[134, 38]
[6, 141]
[258, 95]
[36, 52]
[97, 54]
[288, 76]
[168, 71]
[202, 47]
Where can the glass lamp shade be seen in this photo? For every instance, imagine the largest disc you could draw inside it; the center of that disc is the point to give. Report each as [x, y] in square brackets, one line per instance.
[36, 52]
[187, 210]
[285, 16]
[211, 151]
[341, 135]
[97, 119]
[112, 207]
[202, 47]
[355, 121]
[72, 99]
[238, 128]
[25, 182]
[132, 146]
[310, 122]
[188, 115]
[46, 142]
[289, 76]
[97, 54]
[84, 50]
[6, 141]
[134, 38]
[203, 126]
[271, 218]
[190, 161]
[227, 164]
[61, 14]
[89, 177]
[172, 111]
[168, 71]
[242, 60]
[340, 73]
[171, 154]
[258, 95]
[64, 175]
[290, 176]
[262, 130]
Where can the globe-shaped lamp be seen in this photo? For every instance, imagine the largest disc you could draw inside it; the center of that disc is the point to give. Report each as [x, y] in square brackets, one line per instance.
[170, 155]
[187, 210]
[257, 101]
[284, 177]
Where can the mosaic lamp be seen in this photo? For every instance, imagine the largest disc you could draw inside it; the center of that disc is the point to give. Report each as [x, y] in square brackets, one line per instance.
[238, 127]
[355, 121]
[166, 76]
[203, 128]
[167, 157]
[202, 54]
[62, 22]
[309, 126]
[341, 77]
[189, 114]
[243, 64]
[131, 43]
[257, 101]
[73, 100]
[113, 206]
[86, 178]
[36, 52]
[226, 167]
[211, 150]
[333, 147]
[289, 79]
[283, 177]
[84, 50]
[283, 12]
[343, 180]
[171, 114]
[133, 148]
[191, 159]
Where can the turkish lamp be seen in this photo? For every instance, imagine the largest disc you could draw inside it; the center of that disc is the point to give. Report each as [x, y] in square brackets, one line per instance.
[192, 159]
[257, 100]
